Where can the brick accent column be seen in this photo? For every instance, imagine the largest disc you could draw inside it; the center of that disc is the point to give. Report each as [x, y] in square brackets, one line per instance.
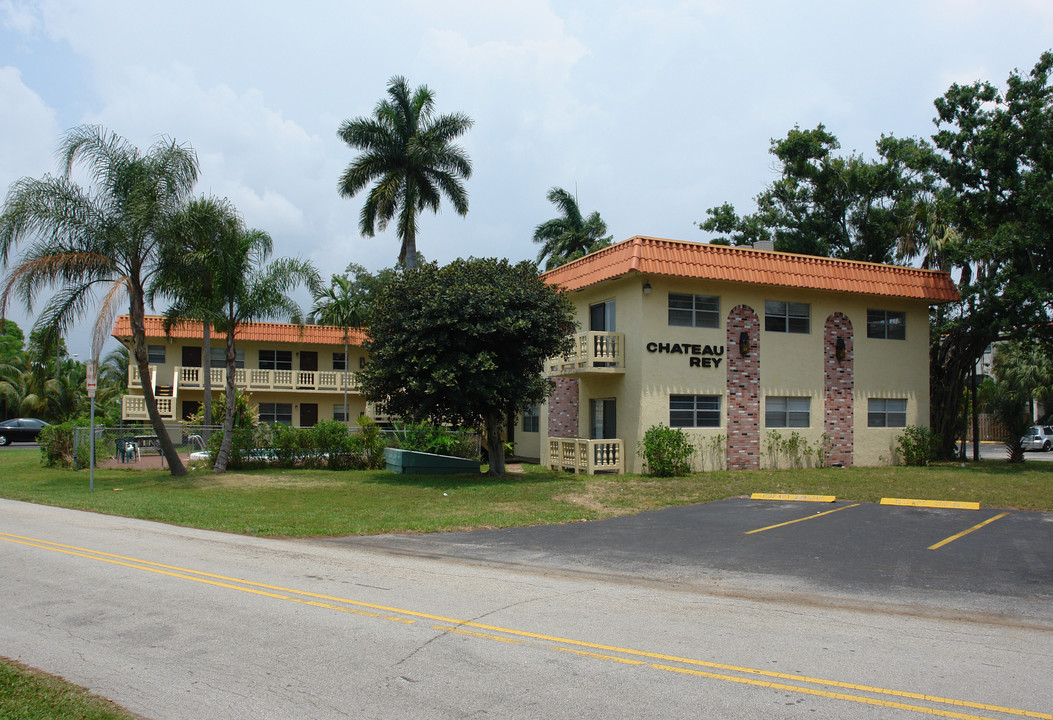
[743, 390]
[563, 408]
[839, 386]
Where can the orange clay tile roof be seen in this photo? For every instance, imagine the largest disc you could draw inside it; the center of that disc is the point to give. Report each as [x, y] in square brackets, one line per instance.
[676, 258]
[253, 331]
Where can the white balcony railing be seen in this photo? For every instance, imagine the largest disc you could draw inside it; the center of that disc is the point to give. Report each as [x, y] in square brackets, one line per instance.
[594, 352]
[133, 407]
[586, 456]
[255, 379]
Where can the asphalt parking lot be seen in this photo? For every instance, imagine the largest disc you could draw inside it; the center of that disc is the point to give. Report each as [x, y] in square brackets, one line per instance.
[840, 546]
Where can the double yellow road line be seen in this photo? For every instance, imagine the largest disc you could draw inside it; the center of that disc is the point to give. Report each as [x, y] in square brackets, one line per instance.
[849, 692]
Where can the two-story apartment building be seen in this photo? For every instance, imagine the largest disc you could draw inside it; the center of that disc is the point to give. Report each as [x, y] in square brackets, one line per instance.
[295, 375]
[735, 345]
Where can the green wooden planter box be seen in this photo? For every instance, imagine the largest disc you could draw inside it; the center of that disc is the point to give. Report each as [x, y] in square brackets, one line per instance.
[420, 463]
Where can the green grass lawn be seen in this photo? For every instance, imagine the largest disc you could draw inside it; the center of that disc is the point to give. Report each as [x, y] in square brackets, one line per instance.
[303, 503]
[28, 694]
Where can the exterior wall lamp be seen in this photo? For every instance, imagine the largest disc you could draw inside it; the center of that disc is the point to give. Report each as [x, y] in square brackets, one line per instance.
[646, 287]
[841, 352]
[744, 343]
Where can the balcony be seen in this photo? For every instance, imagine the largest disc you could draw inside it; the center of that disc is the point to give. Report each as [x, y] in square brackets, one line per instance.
[586, 456]
[133, 407]
[192, 378]
[594, 352]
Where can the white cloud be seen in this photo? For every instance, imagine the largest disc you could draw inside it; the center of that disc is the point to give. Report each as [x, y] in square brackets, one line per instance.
[29, 128]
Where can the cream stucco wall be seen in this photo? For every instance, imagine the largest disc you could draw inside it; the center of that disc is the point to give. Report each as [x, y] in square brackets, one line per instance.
[790, 364]
[327, 402]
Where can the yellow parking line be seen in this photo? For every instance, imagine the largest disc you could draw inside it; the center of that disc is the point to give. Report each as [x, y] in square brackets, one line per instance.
[794, 498]
[810, 517]
[952, 538]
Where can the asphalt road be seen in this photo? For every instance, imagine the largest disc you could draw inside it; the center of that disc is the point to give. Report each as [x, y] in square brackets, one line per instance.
[180, 623]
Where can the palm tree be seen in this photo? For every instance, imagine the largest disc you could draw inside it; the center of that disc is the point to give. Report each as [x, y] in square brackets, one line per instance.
[184, 278]
[106, 235]
[341, 306]
[569, 236]
[248, 290]
[409, 155]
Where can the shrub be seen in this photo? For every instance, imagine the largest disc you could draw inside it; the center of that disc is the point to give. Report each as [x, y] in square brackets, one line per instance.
[917, 445]
[373, 442]
[333, 441]
[667, 451]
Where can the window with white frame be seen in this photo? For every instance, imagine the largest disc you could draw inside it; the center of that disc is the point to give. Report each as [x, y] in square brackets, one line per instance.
[275, 359]
[787, 317]
[218, 357]
[887, 412]
[787, 412]
[340, 413]
[886, 324]
[694, 310]
[694, 411]
[155, 354]
[532, 418]
[271, 413]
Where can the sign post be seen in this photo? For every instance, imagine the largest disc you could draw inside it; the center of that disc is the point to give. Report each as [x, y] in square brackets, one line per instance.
[90, 381]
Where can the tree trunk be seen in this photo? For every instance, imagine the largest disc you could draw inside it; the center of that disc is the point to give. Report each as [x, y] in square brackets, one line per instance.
[230, 407]
[206, 368]
[136, 317]
[409, 250]
[495, 445]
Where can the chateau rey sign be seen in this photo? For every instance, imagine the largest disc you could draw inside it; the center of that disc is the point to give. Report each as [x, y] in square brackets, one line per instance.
[700, 356]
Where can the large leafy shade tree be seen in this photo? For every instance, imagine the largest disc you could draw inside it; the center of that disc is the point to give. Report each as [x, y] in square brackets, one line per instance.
[408, 154]
[994, 158]
[465, 344]
[106, 235]
[571, 235]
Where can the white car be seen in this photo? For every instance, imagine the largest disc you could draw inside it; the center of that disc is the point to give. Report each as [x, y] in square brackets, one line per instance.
[1038, 437]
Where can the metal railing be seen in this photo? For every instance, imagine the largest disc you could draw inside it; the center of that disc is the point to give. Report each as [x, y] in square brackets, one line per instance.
[593, 352]
[586, 456]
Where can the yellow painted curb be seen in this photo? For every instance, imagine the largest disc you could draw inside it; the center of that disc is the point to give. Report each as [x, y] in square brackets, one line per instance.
[799, 498]
[932, 503]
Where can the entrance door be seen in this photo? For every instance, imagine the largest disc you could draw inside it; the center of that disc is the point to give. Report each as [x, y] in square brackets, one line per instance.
[309, 360]
[308, 414]
[601, 317]
[190, 407]
[603, 423]
[191, 356]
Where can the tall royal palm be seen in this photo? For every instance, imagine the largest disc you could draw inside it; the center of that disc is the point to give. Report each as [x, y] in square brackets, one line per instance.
[407, 152]
[106, 235]
[340, 305]
[248, 290]
[570, 235]
[185, 275]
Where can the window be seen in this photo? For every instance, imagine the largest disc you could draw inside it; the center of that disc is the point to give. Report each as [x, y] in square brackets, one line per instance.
[275, 359]
[276, 413]
[694, 411]
[531, 418]
[891, 412]
[787, 317]
[886, 324]
[218, 357]
[694, 310]
[792, 412]
[339, 361]
[155, 354]
[340, 413]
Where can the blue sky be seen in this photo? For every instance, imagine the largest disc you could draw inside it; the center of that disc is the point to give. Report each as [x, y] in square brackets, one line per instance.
[650, 111]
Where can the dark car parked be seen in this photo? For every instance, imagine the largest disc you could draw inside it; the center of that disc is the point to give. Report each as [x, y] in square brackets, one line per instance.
[20, 430]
